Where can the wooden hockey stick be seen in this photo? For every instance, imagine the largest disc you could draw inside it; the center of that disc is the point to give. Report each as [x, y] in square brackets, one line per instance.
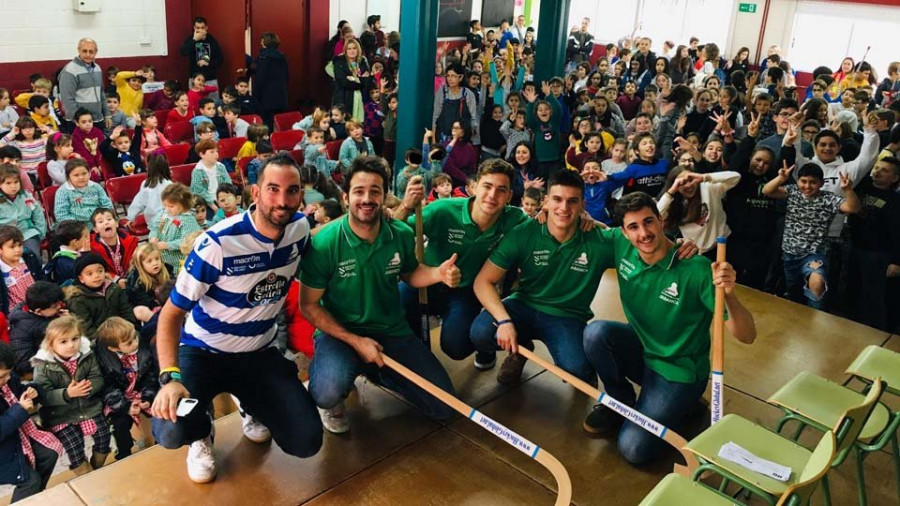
[717, 395]
[424, 330]
[563, 482]
[630, 414]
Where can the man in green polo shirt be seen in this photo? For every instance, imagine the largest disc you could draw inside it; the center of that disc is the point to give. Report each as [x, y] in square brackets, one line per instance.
[665, 345]
[561, 267]
[349, 292]
[471, 229]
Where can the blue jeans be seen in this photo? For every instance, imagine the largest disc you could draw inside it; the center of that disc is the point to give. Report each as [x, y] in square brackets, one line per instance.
[335, 365]
[267, 385]
[618, 356]
[561, 335]
[457, 308]
[797, 270]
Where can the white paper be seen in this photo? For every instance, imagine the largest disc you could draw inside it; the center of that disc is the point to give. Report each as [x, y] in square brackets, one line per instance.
[740, 456]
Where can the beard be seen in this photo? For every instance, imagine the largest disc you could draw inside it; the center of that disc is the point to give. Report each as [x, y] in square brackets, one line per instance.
[271, 215]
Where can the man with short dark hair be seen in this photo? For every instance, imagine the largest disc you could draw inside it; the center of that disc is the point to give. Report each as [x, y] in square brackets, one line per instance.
[665, 345]
[372, 38]
[349, 291]
[204, 53]
[580, 44]
[222, 313]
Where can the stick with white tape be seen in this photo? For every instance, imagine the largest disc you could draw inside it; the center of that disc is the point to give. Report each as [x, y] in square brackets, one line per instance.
[717, 395]
[630, 414]
[563, 482]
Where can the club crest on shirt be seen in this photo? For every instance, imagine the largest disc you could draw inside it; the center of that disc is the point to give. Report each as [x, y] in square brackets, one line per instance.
[269, 290]
[581, 263]
[393, 266]
[541, 257]
[670, 294]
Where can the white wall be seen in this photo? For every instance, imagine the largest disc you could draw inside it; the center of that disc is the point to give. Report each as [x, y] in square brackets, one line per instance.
[48, 29]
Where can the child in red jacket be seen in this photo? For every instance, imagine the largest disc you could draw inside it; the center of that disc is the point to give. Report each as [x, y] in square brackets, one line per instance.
[114, 245]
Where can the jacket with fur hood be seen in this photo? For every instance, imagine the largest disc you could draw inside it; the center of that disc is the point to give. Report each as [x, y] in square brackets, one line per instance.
[53, 379]
[115, 382]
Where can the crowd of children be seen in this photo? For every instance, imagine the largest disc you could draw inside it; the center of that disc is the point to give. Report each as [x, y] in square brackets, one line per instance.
[719, 144]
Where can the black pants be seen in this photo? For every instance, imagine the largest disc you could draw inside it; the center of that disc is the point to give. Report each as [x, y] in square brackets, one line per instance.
[121, 425]
[36, 479]
[869, 287]
[751, 261]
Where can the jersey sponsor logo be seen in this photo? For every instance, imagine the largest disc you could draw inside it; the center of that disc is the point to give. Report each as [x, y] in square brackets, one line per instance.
[580, 264]
[268, 291]
[204, 243]
[393, 266]
[243, 265]
[651, 180]
[541, 257]
[456, 236]
[670, 294]
[347, 268]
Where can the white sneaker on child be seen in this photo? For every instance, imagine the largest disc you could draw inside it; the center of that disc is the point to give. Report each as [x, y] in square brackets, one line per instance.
[335, 420]
[201, 464]
[253, 430]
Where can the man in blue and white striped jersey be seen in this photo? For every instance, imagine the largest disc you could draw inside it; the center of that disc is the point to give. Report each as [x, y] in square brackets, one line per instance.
[219, 328]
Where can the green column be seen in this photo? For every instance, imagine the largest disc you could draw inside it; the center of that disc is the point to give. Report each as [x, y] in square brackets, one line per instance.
[418, 24]
[551, 52]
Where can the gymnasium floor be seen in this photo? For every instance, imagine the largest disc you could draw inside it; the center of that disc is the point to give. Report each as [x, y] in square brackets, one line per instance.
[395, 456]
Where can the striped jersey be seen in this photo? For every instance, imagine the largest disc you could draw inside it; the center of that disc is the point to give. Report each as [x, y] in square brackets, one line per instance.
[234, 283]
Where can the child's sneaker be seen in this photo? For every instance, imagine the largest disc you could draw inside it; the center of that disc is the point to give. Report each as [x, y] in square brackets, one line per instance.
[335, 420]
[254, 430]
[485, 361]
[201, 464]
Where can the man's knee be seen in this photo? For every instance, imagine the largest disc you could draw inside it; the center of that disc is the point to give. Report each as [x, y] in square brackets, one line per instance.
[305, 442]
[598, 337]
[328, 393]
[637, 446]
[168, 434]
[817, 285]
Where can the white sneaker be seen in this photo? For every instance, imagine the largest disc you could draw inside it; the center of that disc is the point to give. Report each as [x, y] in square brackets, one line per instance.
[335, 420]
[254, 430]
[201, 464]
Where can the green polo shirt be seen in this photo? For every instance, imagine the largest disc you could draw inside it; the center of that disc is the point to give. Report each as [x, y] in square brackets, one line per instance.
[557, 279]
[360, 279]
[670, 307]
[449, 227]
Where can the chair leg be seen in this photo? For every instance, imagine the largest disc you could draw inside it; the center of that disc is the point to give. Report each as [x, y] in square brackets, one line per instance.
[895, 449]
[800, 427]
[826, 490]
[861, 476]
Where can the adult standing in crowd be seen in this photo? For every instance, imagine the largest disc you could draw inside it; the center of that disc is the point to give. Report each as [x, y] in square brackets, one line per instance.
[519, 29]
[81, 84]
[222, 313]
[372, 38]
[580, 44]
[270, 78]
[454, 103]
[203, 53]
[352, 79]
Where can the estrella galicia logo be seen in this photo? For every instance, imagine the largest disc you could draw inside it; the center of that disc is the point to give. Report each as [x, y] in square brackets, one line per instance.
[268, 291]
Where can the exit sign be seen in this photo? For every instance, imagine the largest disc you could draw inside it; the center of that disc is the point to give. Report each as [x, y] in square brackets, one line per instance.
[751, 8]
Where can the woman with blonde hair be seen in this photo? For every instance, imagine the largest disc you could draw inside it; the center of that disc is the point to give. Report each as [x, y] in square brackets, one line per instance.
[352, 79]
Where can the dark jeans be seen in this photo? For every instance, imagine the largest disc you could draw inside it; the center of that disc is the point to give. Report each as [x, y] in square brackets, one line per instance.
[616, 352]
[562, 336]
[751, 261]
[869, 287]
[335, 365]
[121, 424]
[457, 308]
[269, 390]
[36, 479]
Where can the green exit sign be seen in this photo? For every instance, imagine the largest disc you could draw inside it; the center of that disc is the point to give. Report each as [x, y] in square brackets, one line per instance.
[751, 8]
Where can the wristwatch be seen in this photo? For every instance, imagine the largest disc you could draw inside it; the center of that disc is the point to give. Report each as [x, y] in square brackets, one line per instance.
[169, 375]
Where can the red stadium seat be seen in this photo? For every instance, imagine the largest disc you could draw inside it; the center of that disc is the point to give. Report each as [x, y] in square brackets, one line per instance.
[48, 197]
[44, 180]
[122, 190]
[253, 119]
[139, 227]
[181, 131]
[228, 148]
[182, 173]
[286, 140]
[242, 167]
[297, 155]
[284, 121]
[177, 154]
[333, 149]
[161, 118]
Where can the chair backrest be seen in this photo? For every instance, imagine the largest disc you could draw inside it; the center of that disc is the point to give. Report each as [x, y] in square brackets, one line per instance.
[333, 148]
[286, 140]
[297, 155]
[284, 121]
[180, 131]
[122, 190]
[242, 167]
[253, 119]
[850, 424]
[48, 197]
[106, 169]
[177, 154]
[816, 467]
[44, 175]
[182, 173]
[161, 118]
[228, 148]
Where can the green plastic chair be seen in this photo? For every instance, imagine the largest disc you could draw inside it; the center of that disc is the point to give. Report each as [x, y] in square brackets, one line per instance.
[815, 402]
[877, 362]
[676, 489]
[773, 447]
